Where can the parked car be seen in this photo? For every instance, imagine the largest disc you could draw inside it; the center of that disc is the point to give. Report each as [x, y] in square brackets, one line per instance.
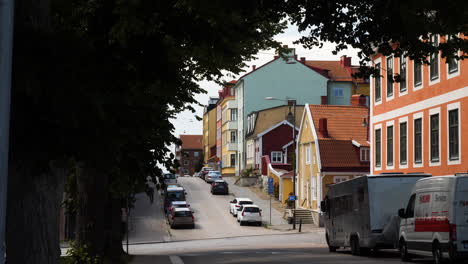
[213, 176]
[204, 171]
[219, 187]
[249, 213]
[436, 219]
[196, 174]
[178, 204]
[235, 205]
[361, 213]
[169, 178]
[173, 194]
[181, 217]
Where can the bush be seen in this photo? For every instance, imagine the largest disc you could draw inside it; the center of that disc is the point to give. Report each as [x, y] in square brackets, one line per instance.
[79, 255]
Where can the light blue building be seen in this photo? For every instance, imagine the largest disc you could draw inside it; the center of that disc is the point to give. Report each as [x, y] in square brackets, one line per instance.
[308, 82]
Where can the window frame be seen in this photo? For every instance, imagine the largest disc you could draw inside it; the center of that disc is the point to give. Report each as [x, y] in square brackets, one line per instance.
[335, 89]
[389, 78]
[453, 107]
[403, 163]
[377, 80]
[435, 57]
[403, 59]
[364, 154]
[307, 153]
[418, 117]
[231, 133]
[418, 85]
[233, 112]
[432, 160]
[390, 145]
[280, 153]
[378, 147]
[231, 163]
[451, 74]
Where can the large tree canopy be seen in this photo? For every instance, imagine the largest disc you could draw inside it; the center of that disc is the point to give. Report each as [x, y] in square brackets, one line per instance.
[377, 25]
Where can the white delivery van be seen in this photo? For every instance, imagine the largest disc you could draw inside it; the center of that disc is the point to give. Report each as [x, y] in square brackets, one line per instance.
[435, 220]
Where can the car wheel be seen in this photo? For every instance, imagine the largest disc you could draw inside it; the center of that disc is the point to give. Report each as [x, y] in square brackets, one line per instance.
[241, 223]
[192, 226]
[403, 251]
[437, 253]
[259, 223]
[330, 248]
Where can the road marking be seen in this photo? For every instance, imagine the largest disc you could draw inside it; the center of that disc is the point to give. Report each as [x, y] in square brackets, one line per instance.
[176, 260]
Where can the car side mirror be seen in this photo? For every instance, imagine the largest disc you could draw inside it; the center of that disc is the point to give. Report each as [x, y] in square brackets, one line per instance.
[323, 206]
[401, 213]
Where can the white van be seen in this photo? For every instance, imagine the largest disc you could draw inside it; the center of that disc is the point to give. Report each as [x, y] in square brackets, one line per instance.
[435, 220]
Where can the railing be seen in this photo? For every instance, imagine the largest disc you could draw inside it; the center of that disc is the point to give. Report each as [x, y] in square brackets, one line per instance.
[303, 202]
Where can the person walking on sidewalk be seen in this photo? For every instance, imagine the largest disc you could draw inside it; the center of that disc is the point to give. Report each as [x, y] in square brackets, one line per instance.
[150, 186]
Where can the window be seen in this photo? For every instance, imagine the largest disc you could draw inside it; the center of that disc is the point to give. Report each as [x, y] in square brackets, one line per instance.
[377, 83]
[435, 138]
[233, 136]
[195, 154]
[338, 92]
[418, 140]
[403, 143]
[277, 157]
[389, 145]
[378, 154]
[365, 154]
[233, 91]
[417, 73]
[434, 67]
[233, 160]
[338, 179]
[389, 77]
[409, 212]
[453, 135]
[452, 63]
[307, 155]
[233, 114]
[402, 73]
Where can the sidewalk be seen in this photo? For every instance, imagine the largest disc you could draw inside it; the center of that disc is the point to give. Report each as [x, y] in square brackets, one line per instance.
[245, 192]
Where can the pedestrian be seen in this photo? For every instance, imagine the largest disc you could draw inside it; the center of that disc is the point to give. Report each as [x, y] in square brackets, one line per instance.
[150, 186]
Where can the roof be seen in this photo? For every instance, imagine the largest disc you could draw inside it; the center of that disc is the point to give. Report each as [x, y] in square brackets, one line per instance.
[250, 205]
[191, 141]
[178, 209]
[339, 150]
[334, 70]
[175, 189]
[243, 199]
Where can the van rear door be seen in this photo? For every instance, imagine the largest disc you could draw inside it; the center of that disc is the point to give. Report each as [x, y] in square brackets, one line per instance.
[461, 213]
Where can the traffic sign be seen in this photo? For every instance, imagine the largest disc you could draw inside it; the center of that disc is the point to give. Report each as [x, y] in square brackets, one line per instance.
[270, 186]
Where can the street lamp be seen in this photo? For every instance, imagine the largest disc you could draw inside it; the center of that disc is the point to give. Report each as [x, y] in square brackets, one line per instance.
[291, 102]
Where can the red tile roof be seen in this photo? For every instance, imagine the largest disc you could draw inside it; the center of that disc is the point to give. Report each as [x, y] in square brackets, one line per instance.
[336, 71]
[191, 141]
[344, 124]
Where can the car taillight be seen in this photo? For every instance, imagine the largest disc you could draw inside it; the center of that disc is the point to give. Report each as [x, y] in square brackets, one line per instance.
[260, 213]
[242, 213]
[453, 232]
[193, 218]
[172, 217]
[237, 205]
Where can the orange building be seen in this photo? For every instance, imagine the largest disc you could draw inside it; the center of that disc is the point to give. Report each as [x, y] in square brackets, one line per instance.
[418, 124]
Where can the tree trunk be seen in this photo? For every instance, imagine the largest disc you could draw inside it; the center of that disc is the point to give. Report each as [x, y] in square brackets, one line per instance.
[34, 201]
[92, 200]
[114, 250]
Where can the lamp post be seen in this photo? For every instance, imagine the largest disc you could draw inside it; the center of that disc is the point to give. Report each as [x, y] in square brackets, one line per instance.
[291, 102]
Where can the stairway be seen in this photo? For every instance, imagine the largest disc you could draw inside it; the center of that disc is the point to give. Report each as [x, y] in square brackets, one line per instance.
[305, 215]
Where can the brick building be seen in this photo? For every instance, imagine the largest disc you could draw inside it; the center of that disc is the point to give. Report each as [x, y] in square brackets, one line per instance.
[417, 123]
[189, 153]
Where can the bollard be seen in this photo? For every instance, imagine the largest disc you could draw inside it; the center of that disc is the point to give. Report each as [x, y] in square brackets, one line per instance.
[300, 225]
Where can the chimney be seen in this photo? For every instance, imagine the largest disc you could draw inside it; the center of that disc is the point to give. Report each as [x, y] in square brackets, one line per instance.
[358, 100]
[324, 100]
[303, 60]
[345, 61]
[323, 130]
[254, 67]
[295, 56]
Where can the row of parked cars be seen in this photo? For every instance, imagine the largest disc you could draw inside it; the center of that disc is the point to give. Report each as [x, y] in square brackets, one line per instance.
[245, 211]
[177, 209]
[213, 177]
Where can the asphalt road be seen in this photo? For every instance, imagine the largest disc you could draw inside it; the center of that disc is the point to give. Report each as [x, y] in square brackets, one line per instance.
[212, 217]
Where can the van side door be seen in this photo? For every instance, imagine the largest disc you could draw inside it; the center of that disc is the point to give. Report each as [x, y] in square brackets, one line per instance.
[408, 227]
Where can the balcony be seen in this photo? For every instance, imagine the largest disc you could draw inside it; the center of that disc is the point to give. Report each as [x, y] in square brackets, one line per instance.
[231, 146]
[231, 125]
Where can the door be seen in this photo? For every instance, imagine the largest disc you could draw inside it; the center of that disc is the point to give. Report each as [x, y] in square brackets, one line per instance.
[408, 226]
[461, 213]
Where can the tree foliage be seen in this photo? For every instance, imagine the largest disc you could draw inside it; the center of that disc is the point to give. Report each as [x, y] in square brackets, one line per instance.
[375, 26]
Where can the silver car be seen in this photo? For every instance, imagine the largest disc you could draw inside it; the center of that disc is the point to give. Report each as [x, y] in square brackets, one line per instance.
[181, 217]
[169, 178]
[213, 176]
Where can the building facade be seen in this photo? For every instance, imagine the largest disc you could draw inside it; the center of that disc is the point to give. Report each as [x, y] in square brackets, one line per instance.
[332, 146]
[209, 132]
[189, 153]
[313, 82]
[227, 129]
[417, 123]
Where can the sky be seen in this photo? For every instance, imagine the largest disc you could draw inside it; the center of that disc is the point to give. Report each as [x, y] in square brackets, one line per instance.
[186, 123]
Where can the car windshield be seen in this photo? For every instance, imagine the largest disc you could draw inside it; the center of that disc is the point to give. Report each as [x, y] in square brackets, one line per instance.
[181, 205]
[214, 174]
[251, 209]
[183, 213]
[245, 202]
[169, 176]
[176, 195]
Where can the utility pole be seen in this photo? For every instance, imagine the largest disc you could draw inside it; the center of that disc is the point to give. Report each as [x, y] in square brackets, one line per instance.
[6, 43]
[293, 104]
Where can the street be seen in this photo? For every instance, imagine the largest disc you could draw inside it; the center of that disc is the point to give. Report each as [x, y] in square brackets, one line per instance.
[218, 238]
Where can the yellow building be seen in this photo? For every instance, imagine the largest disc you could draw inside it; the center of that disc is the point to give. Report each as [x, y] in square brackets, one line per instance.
[332, 147]
[209, 133]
